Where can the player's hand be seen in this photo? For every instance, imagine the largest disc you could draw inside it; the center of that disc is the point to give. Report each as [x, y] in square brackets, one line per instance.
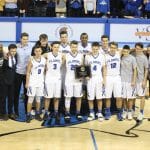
[26, 86]
[87, 78]
[133, 84]
[143, 84]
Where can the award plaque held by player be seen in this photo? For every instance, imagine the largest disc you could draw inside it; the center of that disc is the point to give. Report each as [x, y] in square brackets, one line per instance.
[82, 71]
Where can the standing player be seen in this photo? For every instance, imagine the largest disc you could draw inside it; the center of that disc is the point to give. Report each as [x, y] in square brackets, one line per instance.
[35, 82]
[73, 87]
[95, 84]
[142, 72]
[113, 81]
[104, 44]
[53, 79]
[128, 78]
[84, 47]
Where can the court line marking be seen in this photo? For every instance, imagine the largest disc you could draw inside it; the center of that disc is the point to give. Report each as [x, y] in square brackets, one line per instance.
[93, 139]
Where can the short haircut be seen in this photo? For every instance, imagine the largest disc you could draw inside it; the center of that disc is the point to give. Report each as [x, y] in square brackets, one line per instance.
[12, 46]
[104, 36]
[43, 36]
[82, 34]
[95, 44]
[139, 44]
[24, 34]
[126, 47]
[63, 32]
[35, 47]
[55, 42]
[113, 43]
[74, 42]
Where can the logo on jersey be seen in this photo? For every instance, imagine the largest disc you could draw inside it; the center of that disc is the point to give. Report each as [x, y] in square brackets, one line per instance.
[64, 27]
[82, 69]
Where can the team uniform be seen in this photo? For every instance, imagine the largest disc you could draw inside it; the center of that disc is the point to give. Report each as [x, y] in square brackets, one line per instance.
[84, 50]
[113, 78]
[36, 80]
[142, 64]
[64, 48]
[104, 51]
[128, 64]
[94, 84]
[53, 76]
[73, 87]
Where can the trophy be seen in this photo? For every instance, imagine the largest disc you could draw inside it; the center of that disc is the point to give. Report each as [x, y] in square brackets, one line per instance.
[82, 71]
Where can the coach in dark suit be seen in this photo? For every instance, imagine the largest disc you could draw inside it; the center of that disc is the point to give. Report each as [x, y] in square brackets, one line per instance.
[9, 67]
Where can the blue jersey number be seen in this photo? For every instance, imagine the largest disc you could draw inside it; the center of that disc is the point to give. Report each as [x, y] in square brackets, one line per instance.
[113, 65]
[95, 68]
[39, 71]
[73, 67]
[54, 66]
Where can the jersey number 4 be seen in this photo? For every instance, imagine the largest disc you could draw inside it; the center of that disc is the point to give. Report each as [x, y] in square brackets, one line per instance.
[113, 65]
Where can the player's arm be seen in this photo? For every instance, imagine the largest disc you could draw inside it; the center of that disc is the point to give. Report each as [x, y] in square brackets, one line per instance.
[63, 59]
[29, 67]
[145, 78]
[134, 76]
[104, 74]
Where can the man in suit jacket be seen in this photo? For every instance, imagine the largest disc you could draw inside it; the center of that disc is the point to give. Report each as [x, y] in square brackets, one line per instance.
[9, 67]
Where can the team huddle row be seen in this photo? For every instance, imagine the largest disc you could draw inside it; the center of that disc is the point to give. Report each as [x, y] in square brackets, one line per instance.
[112, 71]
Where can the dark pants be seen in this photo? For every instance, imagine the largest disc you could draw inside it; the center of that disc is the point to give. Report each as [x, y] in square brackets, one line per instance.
[2, 99]
[19, 79]
[75, 12]
[9, 93]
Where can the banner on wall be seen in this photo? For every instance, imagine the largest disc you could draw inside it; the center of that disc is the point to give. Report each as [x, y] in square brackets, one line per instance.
[130, 32]
[74, 30]
[7, 31]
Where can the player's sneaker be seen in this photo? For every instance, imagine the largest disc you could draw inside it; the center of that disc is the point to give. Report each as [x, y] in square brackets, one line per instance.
[28, 118]
[119, 116]
[79, 117]
[67, 118]
[107, 115]
[38, 117]
[100, 116]
[130, 117]
[140, 116]
[91, 117]
[45, 117]
[124, 114]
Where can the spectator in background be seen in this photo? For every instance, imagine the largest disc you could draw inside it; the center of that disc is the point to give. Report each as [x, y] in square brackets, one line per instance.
[11, 8]
[133, 8]
[75, 8]
[103, 8]
[23, 7]
[51, 6]
[116, 7]
[89, 8]
[147, 8]
[2, 3]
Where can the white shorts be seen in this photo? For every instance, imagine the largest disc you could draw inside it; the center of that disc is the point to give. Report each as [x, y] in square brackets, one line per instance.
[95, 89]
[113, 85]
[35, 91]
[73, 89]
[140, 90]
[128, 91]
[53, 89]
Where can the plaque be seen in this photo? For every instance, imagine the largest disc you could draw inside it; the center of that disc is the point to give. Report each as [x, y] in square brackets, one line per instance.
[82, 72]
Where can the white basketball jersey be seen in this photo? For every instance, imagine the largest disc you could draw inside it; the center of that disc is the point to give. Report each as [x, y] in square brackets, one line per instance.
[96, 63]
[84, 50]
[71, 62]
[64, 48]
[113, 64]
[53, 66]
[37, 72]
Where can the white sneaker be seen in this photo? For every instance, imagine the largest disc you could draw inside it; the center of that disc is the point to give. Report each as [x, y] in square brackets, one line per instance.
[140, 116]
[100, 116]
[124, 114]
[130, 117]
[91, 117]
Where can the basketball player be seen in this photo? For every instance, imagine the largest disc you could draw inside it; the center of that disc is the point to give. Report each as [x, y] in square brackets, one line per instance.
[128, 78]
[35, 82]
[104, 44]
[84, 47]
[142, 73]
[96, 83]
[73, 86]
[113, 81]
[53, 79]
